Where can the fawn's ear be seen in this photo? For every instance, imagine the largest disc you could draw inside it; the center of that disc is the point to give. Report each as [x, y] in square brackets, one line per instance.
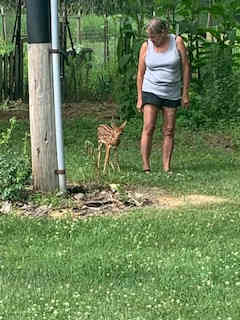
[122, 126]
[113, 125]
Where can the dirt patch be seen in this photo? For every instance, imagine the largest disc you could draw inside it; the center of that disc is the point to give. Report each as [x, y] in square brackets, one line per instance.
[83, 203]
[192, 200]
[99, 111]
[18, 110]
[220, 141]
[161, 199]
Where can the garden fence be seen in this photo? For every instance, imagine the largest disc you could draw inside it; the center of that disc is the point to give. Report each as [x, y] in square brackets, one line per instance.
[11, 75]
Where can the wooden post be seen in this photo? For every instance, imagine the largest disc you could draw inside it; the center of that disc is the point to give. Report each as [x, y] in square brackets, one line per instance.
[41, 107]
[19, 70]
[42, 124]
[4, 31]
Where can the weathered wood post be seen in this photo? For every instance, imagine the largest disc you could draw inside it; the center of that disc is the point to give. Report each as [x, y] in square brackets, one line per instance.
[41, 106]
[4, 29]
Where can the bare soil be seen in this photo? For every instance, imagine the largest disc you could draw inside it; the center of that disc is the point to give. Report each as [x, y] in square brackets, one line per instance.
[81, 203]
[101, 111]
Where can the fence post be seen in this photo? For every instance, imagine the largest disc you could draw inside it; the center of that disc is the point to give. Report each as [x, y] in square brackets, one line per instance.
[19, 70]
[4, 31]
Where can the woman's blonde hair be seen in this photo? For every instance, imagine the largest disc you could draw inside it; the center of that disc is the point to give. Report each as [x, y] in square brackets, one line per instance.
[156, 26]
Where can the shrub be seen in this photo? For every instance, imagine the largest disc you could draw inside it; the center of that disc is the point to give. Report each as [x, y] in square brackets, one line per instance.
[14, 167]
[14, 172]
[217, 97]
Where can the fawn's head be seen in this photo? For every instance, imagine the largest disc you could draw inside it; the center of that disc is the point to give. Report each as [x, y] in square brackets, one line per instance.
[110, 135]
[117, 131]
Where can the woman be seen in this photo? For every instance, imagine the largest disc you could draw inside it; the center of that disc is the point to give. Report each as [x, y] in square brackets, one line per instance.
[163, 66]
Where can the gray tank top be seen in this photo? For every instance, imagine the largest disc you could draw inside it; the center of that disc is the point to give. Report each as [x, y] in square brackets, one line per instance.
[163, 71]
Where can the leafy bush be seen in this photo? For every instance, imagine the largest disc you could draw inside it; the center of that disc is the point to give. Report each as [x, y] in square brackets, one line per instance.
[14, 167]
[5, 47]
[217, 97]
[14, 172]
[101, 83]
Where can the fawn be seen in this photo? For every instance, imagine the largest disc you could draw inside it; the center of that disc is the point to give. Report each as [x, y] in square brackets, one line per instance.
[110, 137]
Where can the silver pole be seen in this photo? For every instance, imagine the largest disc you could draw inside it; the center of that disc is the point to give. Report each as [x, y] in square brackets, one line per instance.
[57, 94]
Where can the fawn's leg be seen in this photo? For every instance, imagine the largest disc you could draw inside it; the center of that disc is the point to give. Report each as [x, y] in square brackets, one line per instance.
[150, 113]
[107, 155]
[169, 121]
[117, 159]
[99, 154]
[111, 161]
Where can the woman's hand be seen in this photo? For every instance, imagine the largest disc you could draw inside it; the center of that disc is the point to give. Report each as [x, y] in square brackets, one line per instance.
[139, 105]
[185, 100]
[186, 71]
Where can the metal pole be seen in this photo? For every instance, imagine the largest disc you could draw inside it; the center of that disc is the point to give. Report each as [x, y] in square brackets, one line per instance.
[57, 94]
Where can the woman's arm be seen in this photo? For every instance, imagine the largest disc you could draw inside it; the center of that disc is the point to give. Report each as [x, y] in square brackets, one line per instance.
[185, 69]
[140, 74]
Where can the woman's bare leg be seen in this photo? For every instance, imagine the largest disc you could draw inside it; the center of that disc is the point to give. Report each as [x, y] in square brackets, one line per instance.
[150, 113]
[169, 122]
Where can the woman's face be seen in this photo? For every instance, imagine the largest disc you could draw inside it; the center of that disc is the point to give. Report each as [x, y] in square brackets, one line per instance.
[157, 38]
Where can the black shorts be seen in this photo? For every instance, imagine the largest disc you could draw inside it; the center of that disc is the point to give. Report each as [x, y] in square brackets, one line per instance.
[151, 98]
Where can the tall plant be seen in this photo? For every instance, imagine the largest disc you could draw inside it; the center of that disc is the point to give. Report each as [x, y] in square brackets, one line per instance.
[127, 51]
[131, 34]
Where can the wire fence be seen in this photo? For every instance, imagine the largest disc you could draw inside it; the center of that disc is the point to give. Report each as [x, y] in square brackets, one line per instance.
[90, 47]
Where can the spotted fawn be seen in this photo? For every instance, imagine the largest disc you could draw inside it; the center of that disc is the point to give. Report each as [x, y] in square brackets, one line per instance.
[110, 137]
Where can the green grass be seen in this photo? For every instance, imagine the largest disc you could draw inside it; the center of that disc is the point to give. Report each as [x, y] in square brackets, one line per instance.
[153, 264]
[199, 165]
[150, 264]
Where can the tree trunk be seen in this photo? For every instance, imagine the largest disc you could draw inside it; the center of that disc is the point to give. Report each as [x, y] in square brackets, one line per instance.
[42, 120]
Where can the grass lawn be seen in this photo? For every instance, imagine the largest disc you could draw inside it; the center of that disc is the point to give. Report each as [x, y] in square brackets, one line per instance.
[152, 263]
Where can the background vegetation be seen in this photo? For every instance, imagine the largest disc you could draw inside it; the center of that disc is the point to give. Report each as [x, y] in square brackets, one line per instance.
[114, 30]
[176, 263]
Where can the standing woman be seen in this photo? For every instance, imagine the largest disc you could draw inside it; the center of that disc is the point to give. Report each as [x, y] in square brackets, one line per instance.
[163, 65]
